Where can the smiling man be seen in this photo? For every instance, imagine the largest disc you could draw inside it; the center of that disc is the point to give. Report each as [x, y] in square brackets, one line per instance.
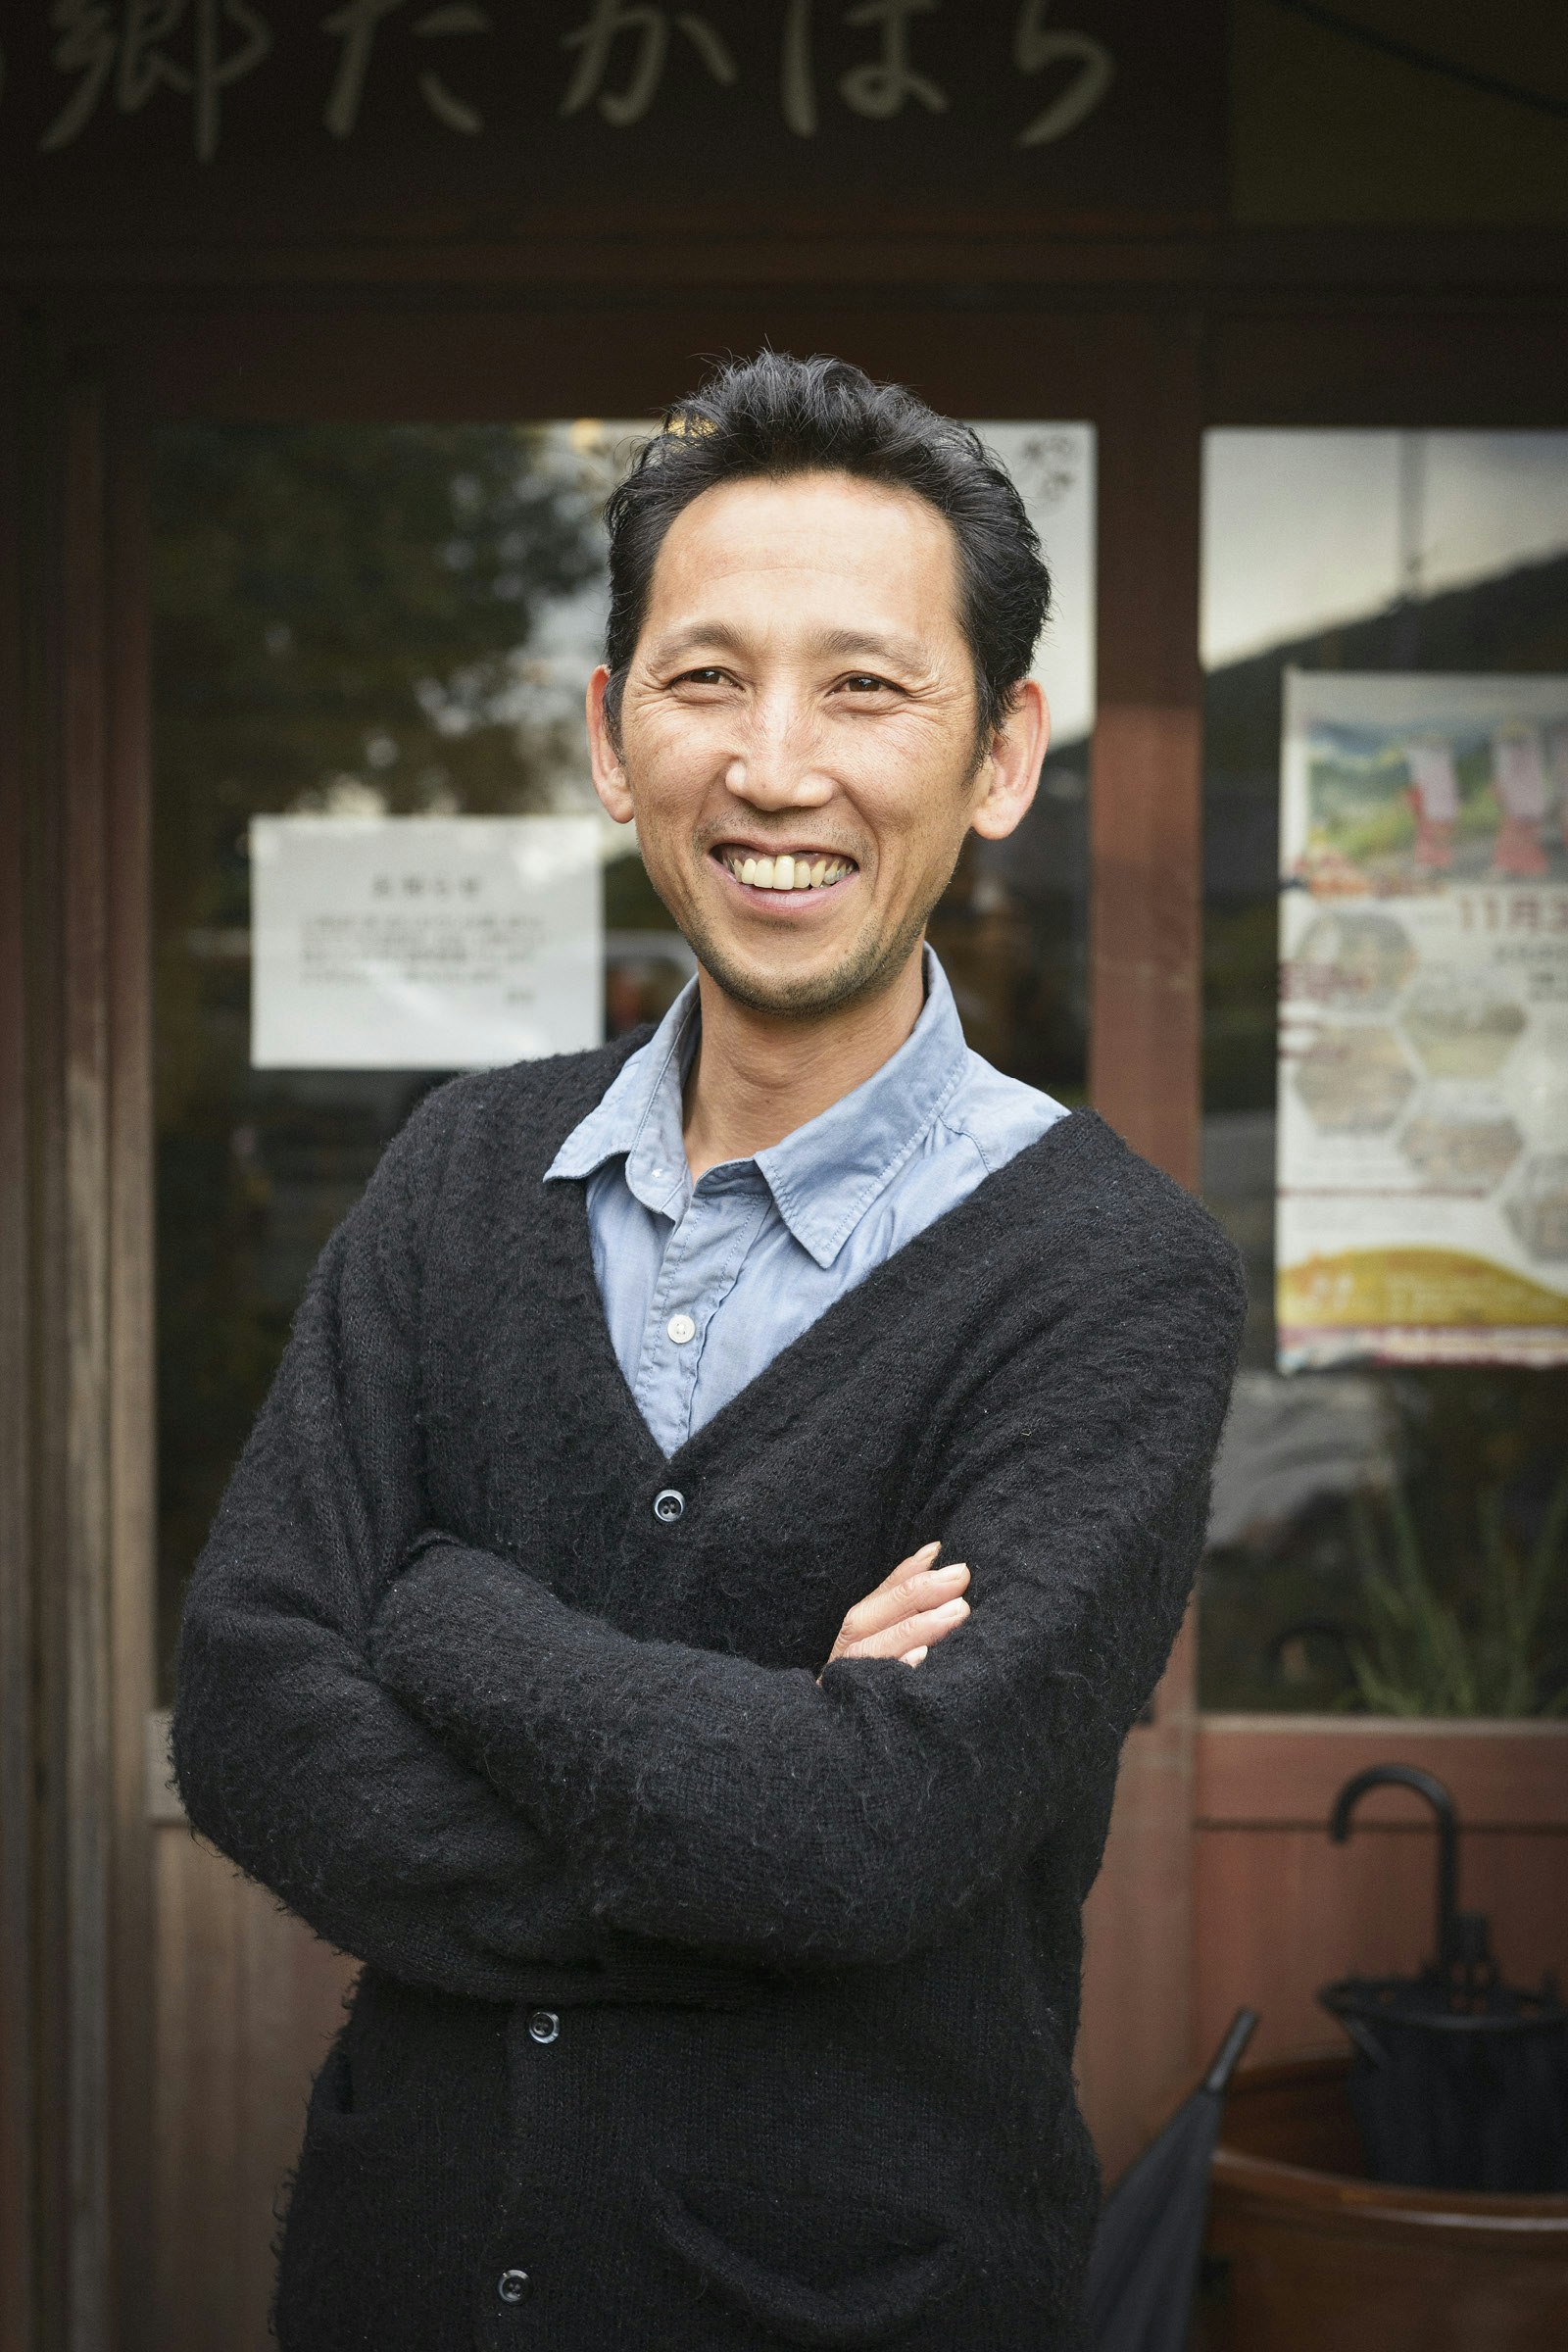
[724, 1501]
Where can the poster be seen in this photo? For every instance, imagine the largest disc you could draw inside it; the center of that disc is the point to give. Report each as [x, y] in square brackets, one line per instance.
[1422, 1212]
[441, 943]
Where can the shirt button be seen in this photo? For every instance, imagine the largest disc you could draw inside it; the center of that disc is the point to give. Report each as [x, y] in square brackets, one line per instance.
[668, 1504]
[544, 2024]
[512, 2286]
[682, 1328]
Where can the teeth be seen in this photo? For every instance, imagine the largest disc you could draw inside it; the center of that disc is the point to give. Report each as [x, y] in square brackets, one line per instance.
[787, 873]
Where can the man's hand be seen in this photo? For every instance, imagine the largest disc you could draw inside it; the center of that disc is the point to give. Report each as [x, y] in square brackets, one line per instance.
[914, 1606]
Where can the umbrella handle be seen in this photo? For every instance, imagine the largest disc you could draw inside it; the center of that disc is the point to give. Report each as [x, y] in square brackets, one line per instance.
[1227, 2057]
[1427, 1785]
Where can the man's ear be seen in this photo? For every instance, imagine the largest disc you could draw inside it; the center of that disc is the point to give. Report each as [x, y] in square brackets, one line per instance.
[604, 752]
[1011, 767]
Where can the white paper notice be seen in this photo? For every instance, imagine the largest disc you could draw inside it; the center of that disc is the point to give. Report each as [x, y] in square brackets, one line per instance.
[423, 943]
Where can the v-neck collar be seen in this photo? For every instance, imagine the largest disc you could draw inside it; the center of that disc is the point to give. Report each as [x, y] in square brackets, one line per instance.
[564, 1208]
[825, 1175]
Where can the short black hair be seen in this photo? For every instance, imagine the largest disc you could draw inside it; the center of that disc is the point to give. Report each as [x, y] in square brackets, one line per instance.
[775, 416]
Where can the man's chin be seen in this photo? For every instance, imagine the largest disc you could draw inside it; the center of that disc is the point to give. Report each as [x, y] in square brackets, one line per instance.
[824, 988]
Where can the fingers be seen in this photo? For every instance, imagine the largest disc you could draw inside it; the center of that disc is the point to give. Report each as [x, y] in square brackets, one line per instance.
[909, 1586]
[917, 1630]
[915, 1606]
[924, 1559]
[889, 1599]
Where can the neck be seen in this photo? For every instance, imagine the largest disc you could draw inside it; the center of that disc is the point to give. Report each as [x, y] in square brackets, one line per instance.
[758, 1076]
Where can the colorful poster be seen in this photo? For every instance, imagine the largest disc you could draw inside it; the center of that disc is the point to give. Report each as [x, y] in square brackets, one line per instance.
[423, 943]
[1422, 1212]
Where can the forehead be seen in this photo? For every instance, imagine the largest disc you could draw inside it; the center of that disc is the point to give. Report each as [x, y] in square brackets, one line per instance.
[810, 541]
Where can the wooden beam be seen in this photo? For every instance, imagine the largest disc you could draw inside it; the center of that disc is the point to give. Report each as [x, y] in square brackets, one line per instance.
[131, 1434]
[81, 1786]
[57, 1116]
[1146, 780]
[18, 2085]
[1285, 1771]
[1146, 800]
[1485, 362]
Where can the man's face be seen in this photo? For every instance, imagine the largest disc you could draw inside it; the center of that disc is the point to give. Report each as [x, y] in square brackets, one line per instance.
[797, 736]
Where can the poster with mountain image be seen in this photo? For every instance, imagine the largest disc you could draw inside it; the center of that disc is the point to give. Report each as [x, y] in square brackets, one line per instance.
[1422, 1179]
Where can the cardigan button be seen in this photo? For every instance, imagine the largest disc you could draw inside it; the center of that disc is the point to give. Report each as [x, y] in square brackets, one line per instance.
[543, 2026]
[668, 1504]
[512, 2285]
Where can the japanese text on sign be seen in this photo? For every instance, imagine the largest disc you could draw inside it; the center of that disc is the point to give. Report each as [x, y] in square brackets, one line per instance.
[614, 62]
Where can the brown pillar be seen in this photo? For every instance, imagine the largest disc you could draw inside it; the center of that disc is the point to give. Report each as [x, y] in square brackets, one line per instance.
[75, 1612]
[1146, 1007]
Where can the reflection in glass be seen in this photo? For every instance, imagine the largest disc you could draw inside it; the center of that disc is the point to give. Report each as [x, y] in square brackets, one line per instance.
[1012, 930]
[353, 622]
[1385, 1539]
[400, 621]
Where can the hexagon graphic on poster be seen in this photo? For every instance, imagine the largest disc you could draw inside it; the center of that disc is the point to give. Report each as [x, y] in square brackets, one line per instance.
[1461, 1024]
[1536, 1207]
[1461, 1138]
[1354, 962]
[1355, 1080]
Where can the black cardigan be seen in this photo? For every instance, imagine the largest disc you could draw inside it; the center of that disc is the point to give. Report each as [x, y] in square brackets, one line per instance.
[704, 2005]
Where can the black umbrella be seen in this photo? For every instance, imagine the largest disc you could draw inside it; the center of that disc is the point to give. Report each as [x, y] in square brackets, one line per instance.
[1142, 2273]
[1459, 2081]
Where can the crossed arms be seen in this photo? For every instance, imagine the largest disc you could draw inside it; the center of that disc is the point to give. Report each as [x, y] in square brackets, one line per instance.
[454, 1775]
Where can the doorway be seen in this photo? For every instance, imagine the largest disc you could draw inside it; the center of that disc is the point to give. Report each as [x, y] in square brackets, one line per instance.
[206, 469]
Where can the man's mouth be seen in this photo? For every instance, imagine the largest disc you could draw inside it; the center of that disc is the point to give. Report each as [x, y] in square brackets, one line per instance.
[802, 869]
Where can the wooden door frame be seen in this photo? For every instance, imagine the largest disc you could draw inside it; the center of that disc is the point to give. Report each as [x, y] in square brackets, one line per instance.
[115, 370]
[18, 2051]
[75, 1548]
[1150, 366]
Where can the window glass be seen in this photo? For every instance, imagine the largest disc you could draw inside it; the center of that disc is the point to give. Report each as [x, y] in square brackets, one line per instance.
[1388, 1536]
[369, 621]
[1013, 931]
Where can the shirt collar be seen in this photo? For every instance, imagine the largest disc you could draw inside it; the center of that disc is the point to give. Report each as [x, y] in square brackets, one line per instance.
[640, 1114]
[825, 1175]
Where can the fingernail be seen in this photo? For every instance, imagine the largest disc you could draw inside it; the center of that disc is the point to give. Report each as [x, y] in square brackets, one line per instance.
[912, 1657]
[927, 1548]
[953, 1609]
[953, 1568]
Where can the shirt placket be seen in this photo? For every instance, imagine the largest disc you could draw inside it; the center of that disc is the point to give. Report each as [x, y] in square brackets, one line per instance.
[702, 1262]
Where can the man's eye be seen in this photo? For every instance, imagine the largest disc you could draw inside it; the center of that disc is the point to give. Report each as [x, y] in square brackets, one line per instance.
[863, 682]
[701, 677]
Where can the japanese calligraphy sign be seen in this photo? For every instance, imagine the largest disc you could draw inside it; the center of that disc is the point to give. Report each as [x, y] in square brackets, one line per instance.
[197, 120]
[416, 943]
[1423, 1096]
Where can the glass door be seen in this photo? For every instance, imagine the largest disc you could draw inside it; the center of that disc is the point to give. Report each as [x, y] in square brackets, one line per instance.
[370, 629]
[1391, 1529]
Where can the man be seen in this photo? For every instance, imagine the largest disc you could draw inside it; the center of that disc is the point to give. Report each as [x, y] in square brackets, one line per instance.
[583, 1641]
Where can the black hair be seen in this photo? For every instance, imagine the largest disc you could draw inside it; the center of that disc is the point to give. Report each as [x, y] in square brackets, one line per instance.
[776, 416]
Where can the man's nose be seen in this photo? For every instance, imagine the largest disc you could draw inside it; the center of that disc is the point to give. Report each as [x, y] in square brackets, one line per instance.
[776, 760]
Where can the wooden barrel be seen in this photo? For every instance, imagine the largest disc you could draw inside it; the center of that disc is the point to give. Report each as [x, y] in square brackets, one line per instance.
[1304, 2254]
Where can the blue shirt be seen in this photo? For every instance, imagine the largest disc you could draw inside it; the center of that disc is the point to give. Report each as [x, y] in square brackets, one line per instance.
[703, 1285]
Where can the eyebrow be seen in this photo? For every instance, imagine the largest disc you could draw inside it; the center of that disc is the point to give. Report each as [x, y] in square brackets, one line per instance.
[845, 644]
[906, 651]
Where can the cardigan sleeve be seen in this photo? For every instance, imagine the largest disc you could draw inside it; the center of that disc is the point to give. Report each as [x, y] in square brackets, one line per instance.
[720, 1803]
[288, 1752]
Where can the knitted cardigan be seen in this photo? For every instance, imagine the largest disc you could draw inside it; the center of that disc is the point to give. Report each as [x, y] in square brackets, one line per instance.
[704, 2004]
